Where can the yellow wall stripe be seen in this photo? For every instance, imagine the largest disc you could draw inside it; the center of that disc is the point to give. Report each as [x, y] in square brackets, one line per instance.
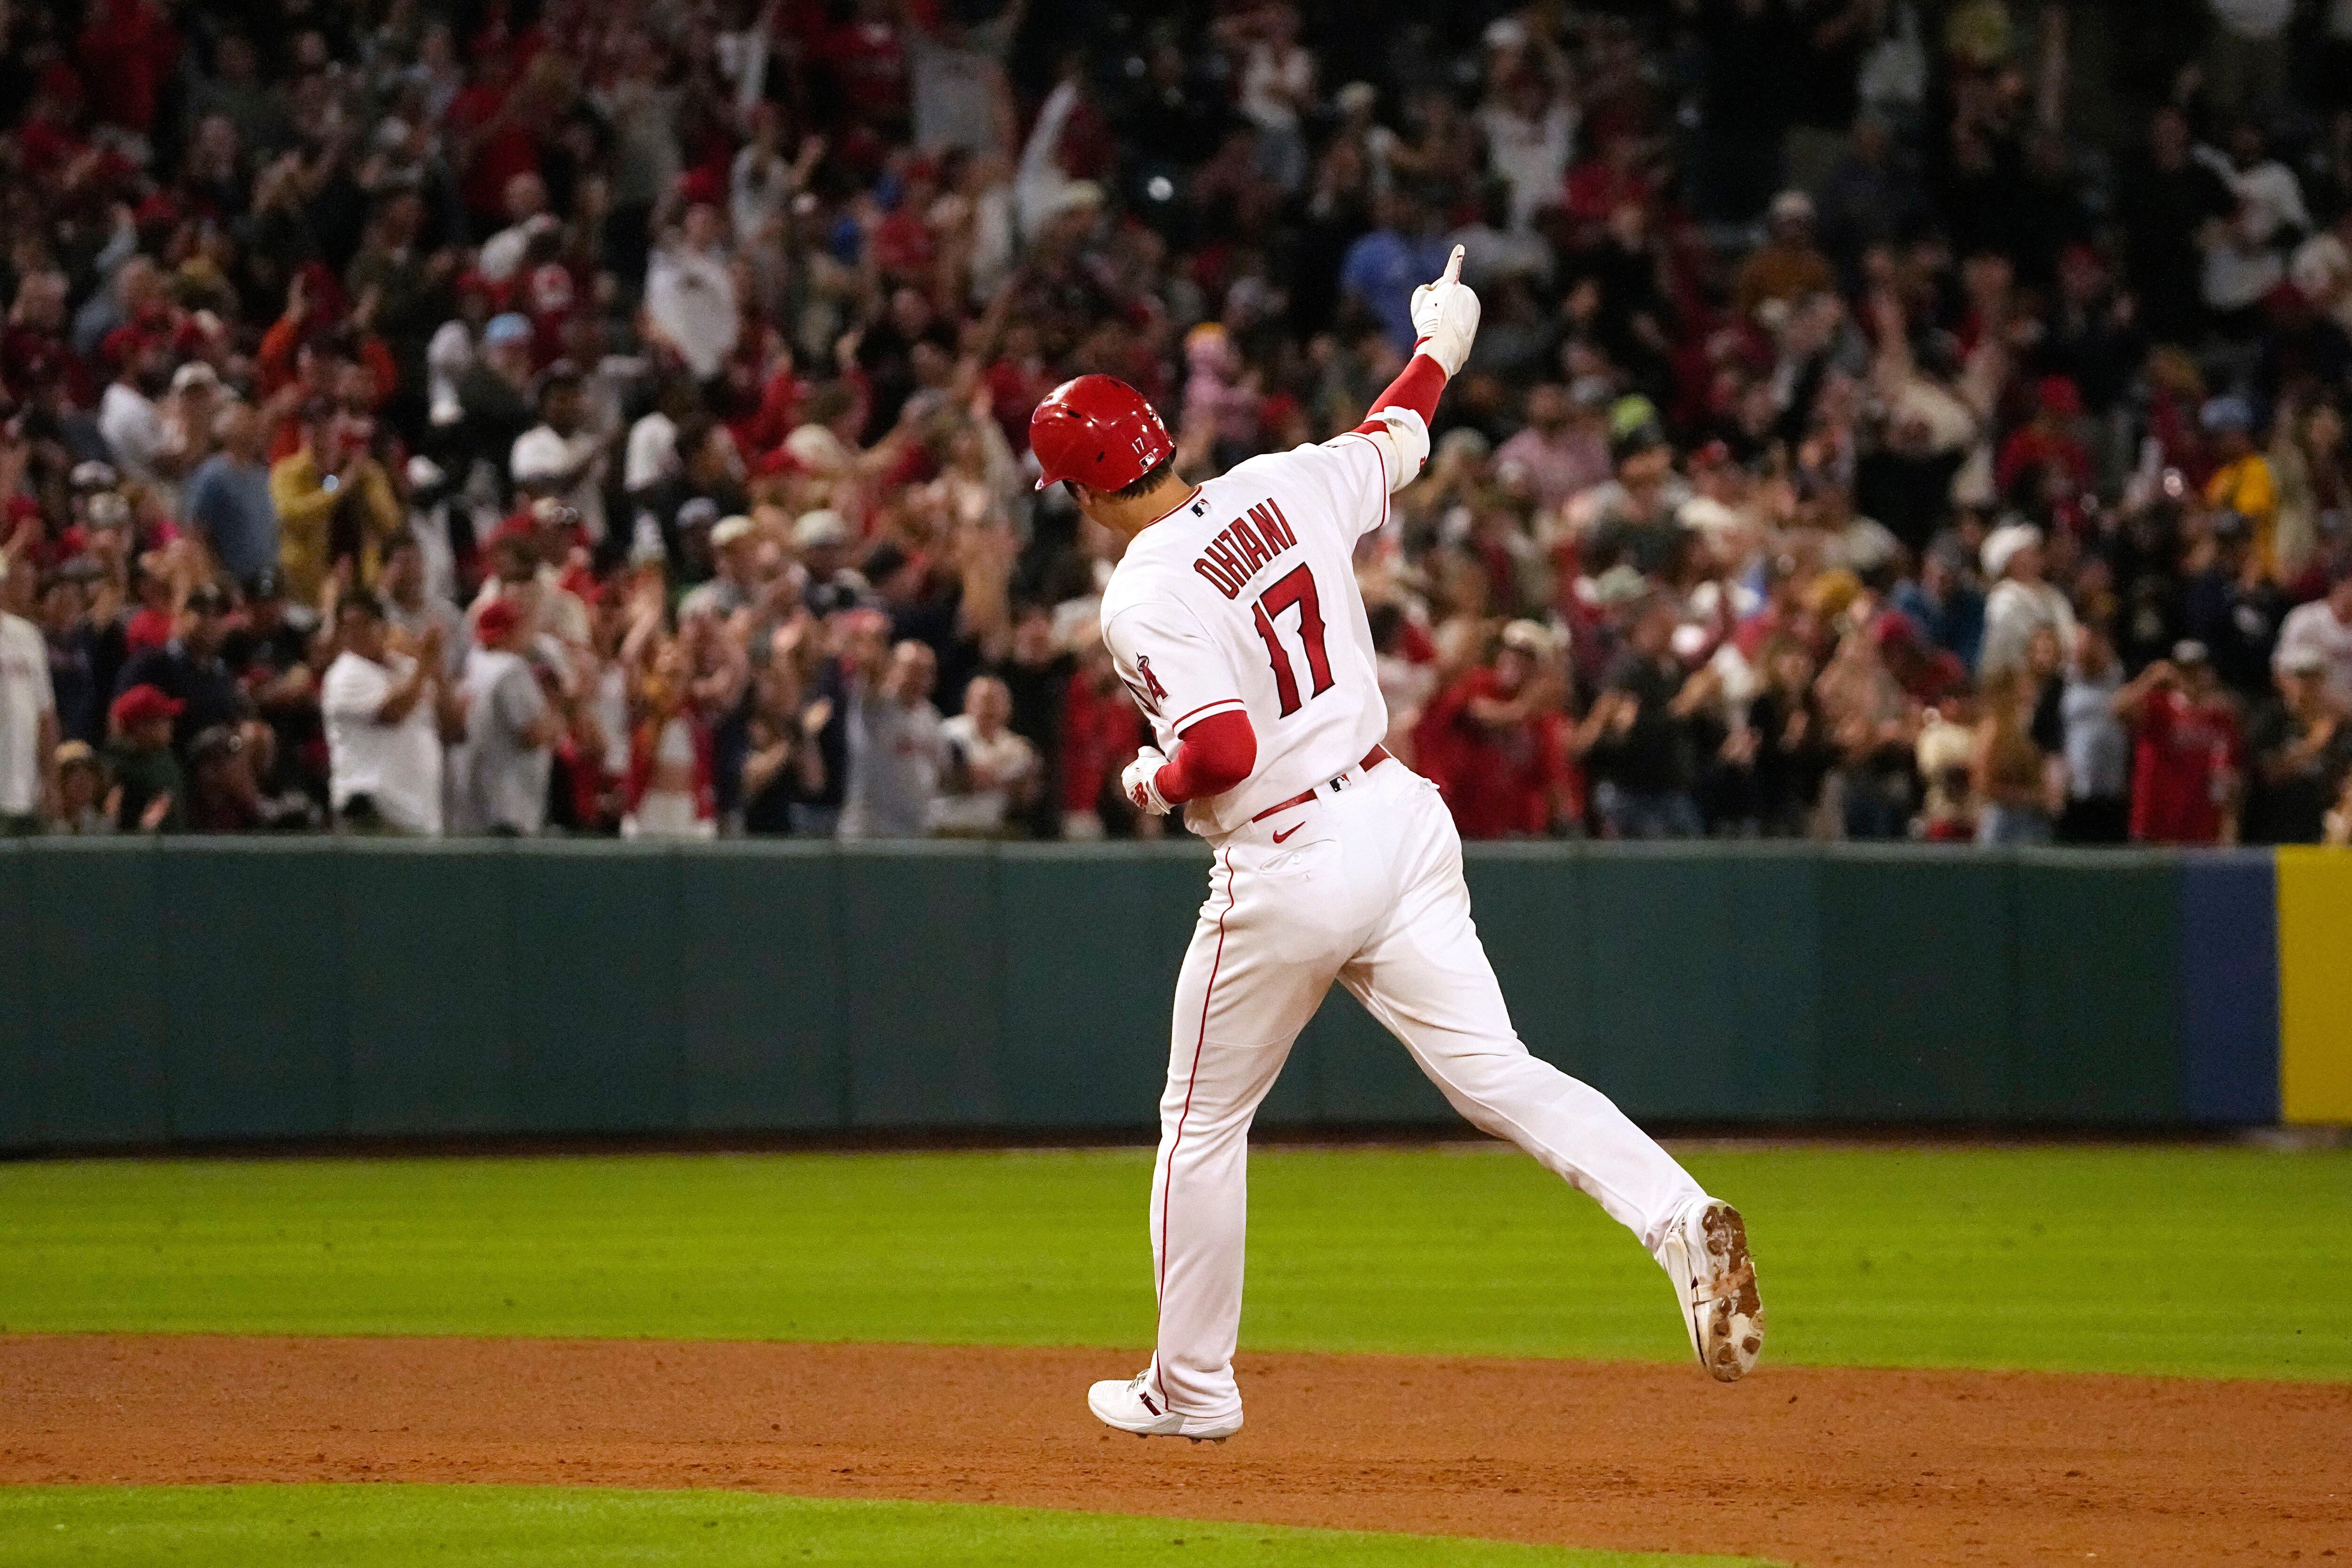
[2315, 894]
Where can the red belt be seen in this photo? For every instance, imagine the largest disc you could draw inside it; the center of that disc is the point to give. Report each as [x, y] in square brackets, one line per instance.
[1372, 759]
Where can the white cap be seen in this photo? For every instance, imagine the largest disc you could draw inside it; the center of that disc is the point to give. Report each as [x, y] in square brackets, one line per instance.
[2001, 546]
[1792, 207]
[730, 531]
[819, 528]
[195, 372]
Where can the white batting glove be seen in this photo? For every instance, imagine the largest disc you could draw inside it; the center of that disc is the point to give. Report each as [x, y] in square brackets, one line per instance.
[1446, 317]
[1140, 782]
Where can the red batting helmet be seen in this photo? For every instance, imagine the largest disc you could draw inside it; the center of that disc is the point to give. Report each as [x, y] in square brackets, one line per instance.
[1098, 431]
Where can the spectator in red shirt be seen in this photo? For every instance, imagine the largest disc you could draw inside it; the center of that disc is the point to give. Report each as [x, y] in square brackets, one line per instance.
[1495, 742]
[2043, 464]
[2187, 752]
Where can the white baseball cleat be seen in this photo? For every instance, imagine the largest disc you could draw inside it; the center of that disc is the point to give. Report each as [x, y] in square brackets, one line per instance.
[1705, 1255]
[1131, 1406]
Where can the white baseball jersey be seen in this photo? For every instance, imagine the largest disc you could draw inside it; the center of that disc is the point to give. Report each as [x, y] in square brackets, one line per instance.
[1244, 598]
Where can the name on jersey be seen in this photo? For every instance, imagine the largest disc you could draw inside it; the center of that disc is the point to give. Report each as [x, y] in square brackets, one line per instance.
[1243, 546]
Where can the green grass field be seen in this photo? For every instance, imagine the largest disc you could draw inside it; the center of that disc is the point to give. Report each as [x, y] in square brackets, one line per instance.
[530, 1526]
[2206, 1261]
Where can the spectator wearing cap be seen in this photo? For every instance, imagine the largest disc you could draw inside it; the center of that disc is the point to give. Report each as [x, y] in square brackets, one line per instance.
[28, 709]
[2242, 481]
[2322, 629]
[2022, 601]
[228, 502]
[83, 659]
[1638, 738]
[387, 714]
[1788, 266]
[223, 794]
[822, 540]
[734, 543]
[1944, 602]
[2188, 754]
[2045, 468]
[1496, 742]
[80, 808]
[150, 793]
[2097, 750]
[560, 457]
[494, 396]
[2300, 744]
[334, 502]
[191, 669]
[512, 728]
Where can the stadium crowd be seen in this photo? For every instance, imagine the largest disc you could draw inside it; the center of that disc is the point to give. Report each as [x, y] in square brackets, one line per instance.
[1892, 418]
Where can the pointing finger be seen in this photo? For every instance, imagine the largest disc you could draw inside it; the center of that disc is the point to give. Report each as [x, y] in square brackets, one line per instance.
[1453, 267]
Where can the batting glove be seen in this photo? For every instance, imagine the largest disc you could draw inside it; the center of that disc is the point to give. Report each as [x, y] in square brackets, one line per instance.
[1446, 317]
[1140, 782]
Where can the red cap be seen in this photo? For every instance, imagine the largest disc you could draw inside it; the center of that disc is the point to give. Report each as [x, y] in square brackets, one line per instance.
[142, 704]
[1098, 431]
[496, 619]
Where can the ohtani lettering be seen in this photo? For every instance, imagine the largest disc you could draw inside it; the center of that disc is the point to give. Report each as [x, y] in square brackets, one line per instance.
[1244, 546]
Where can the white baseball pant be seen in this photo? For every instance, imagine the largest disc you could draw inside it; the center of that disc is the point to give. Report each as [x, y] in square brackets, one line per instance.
[1364, 886]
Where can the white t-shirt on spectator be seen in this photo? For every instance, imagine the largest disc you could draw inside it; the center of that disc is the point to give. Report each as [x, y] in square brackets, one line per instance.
[1531, 155]
[134, 428]
[996, 767]
[24, 697]
[397, 764]
[691, 299]
[2315, 626]
[541, 456]
[651, 452]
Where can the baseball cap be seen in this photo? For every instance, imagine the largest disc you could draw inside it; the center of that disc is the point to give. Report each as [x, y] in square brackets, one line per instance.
[496, 619]
[1792, 207]
[504, 331]
[208, 600]
[2189, 651]
[143, 704]
[730, 531]
[93, 475]
[2302, 660]
[819, 528]
[701, 511]
[2227, 413]
[195, 372]
[2003, 544]
[215, 740]
[75, 754]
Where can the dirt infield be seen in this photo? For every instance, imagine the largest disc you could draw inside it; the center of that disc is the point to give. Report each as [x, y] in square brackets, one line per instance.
[1807, 1466]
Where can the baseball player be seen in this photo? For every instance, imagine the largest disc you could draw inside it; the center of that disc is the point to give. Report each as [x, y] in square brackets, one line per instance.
[1235, 620]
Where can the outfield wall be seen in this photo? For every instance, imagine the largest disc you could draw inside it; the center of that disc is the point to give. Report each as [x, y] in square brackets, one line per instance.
[198, 990]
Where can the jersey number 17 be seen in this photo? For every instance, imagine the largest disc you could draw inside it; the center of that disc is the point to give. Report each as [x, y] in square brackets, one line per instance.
[1297, 590]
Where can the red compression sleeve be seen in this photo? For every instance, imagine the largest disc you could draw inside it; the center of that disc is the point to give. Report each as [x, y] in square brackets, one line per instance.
[1417, 388]
[1211, 757]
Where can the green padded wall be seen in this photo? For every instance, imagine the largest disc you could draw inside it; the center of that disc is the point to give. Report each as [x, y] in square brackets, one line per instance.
[20, 1116]
[253, 948]
[206, 989]
[923, 980]
[97, 978]
[763, 1024]
[594, 996]
[1917, 1004]
[427, 1004]
[2098, 995]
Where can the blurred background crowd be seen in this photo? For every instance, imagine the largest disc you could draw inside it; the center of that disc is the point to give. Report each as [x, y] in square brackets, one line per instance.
[1892, 418]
